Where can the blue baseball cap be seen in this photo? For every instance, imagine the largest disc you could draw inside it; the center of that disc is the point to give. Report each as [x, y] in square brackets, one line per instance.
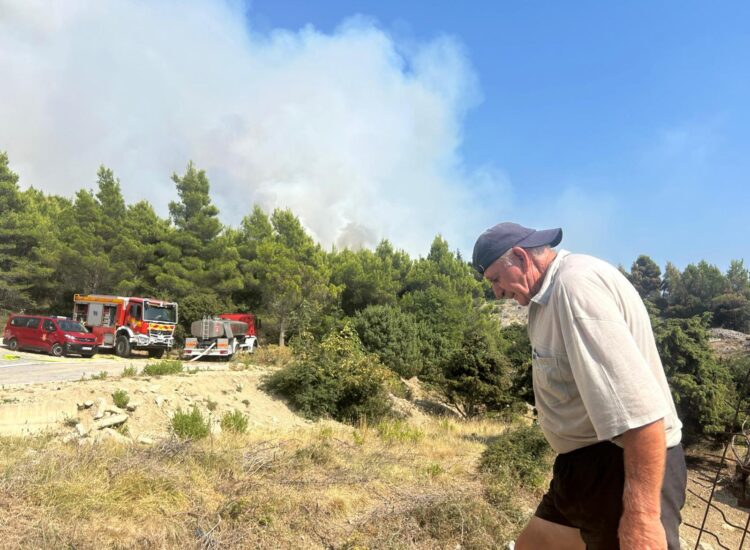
[497, 240]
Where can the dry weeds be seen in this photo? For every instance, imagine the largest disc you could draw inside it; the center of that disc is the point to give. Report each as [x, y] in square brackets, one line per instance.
[393, 485]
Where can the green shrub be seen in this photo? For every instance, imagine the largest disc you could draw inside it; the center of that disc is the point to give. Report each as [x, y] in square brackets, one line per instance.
[234, 421]
[120, 398]
[521, 454]
[516, 347]
[163, 367]
[393, 336]
[702, 387]
[336, 378]
[477, 376]
[129, 372]
[101, 376]
[190, 425]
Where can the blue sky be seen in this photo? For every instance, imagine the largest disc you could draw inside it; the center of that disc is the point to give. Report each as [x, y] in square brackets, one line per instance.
[627, 123]
[644, 104]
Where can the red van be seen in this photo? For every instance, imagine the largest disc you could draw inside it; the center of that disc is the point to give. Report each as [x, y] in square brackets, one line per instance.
[57, 336]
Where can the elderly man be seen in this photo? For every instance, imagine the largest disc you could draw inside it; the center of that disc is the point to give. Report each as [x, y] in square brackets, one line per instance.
[601, 395]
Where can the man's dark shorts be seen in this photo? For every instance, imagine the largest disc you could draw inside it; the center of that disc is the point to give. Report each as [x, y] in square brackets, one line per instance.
[586, 493]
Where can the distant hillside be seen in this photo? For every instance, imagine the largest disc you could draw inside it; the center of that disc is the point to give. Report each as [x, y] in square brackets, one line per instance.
[725, 342]
[509, 312]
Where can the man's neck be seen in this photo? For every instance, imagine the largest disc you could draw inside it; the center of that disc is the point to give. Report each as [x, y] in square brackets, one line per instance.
[541, 264]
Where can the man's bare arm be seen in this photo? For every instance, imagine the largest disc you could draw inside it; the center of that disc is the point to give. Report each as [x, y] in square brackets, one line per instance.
[645, 455]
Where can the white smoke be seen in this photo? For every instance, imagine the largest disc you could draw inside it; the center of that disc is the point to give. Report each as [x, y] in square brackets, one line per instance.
[358, 135]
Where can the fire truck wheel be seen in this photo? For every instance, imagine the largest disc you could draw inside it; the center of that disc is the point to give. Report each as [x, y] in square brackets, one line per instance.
[122, 346]
[156, 353]
[12, 344]
[56, 350]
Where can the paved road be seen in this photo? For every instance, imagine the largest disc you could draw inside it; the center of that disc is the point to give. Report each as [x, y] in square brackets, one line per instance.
[22, 367]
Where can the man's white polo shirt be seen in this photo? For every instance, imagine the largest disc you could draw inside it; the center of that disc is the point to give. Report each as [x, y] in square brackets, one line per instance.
[596, 369]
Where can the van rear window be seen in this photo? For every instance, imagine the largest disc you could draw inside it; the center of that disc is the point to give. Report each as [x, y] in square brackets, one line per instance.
[19, 321]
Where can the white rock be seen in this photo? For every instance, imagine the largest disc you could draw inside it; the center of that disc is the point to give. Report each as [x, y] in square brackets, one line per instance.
[131, 407]
[88, 404]
[159, 400]
[70, 437]
[114, 409]
[82, 430]
[145, 440]
[154, 388]
[101, 406]
[113, 420]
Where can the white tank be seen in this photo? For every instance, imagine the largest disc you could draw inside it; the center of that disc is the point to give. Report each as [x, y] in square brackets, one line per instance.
[216, 328]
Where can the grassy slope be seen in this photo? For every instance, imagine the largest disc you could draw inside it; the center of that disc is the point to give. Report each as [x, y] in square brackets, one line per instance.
[393, 485]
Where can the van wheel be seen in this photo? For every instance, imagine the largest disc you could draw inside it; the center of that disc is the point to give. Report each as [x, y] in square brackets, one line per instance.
[156, 353]
[122, 346]
[13, 344]
[56, 350]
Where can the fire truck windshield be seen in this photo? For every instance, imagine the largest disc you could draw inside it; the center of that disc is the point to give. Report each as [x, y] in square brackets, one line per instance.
[157, 313]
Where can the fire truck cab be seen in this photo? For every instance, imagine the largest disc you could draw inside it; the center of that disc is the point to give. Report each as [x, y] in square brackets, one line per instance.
[128, 323]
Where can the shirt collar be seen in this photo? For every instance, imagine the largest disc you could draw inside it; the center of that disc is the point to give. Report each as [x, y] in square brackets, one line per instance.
[542, 297]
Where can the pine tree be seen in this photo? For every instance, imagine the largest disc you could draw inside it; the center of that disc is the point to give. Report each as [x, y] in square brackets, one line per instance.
[27, 245]
[292, 274]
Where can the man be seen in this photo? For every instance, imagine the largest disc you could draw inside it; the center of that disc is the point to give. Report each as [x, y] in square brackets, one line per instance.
[601, 396]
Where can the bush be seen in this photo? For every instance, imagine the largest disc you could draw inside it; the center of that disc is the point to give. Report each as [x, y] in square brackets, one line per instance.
[336, 378]
[163, 367]
[731, 311]
[120, 398]
[129, 372]
[190, 425]
[393, 336]
[234, 421]
[522, 454]
[516, 347]
[702, 387]
[477, 377]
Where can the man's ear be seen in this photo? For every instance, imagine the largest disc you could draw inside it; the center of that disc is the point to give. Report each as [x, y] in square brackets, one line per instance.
[523, 257]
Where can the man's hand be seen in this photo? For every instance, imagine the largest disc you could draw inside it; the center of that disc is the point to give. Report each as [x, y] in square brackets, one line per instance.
[641, 532]
[645, 453]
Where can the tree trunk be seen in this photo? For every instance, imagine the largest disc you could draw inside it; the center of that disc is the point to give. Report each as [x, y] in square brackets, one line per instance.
[282, 333]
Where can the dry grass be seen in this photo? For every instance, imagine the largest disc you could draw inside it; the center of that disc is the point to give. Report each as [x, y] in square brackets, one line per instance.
[393, 485]
[270, 355]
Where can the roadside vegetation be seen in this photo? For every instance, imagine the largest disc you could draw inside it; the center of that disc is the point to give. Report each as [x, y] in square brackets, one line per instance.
[166, 366]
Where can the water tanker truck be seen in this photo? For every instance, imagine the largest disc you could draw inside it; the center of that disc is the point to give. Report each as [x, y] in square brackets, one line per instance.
[221, 336]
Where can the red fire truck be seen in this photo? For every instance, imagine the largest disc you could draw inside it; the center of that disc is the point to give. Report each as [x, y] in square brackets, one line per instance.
[128, 323]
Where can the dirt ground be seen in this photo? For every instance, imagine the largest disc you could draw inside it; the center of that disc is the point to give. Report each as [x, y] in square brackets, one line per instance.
[726, 520]
[55, 407]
